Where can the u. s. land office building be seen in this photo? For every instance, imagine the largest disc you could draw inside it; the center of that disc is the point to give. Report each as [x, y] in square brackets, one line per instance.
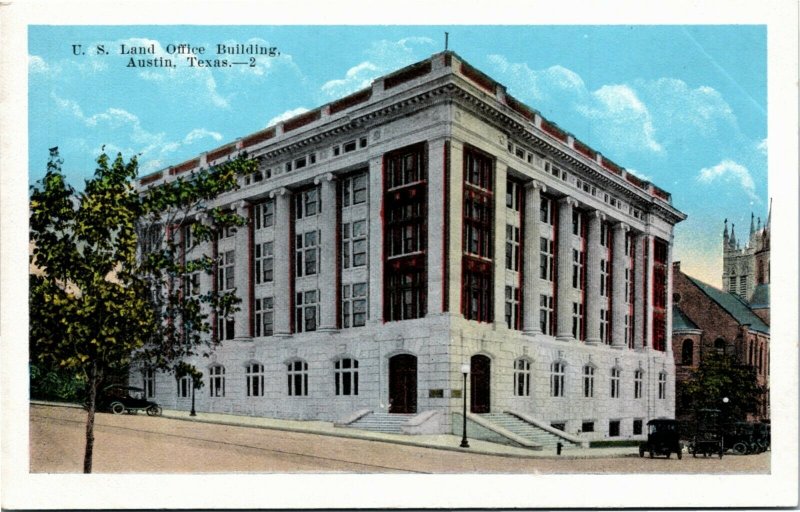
[429, 221]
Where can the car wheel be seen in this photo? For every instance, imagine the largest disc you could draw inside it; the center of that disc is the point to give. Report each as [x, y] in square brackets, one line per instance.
[740, 448]
[669, 454]
[652, 454]
[680, 455]
[641, 451]
[117, 408]
[154, 410]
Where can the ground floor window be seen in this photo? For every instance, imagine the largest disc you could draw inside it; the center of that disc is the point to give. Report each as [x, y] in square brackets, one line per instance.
[217, 381]
[613, 428]
[184, 387]
[637, 427]
[587, 426]
[557, 379]
[254, 377]
[559, 426]
[149, 379]
[637, 384]
[297, 374]
[346, 377]
[662, 385]
[522, 377]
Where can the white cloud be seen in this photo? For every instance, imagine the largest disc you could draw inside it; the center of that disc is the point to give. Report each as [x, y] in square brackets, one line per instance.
[763, 146]
[37, 64]
[730, 172]
[200, 133]
[287, 115]
[639, 175]
[68, 105]
[357, 77]
[550, 83]
[626, 120]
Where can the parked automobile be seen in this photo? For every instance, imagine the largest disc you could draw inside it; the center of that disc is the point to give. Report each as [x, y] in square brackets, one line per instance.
[708, 438]
[745, 438]
[663, 438]
[118, 399]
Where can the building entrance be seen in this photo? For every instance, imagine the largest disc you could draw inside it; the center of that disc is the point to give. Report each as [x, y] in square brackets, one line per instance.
[403, 384]
[480, 380]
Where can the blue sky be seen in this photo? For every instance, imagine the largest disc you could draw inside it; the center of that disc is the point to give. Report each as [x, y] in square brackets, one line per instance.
[682, 106]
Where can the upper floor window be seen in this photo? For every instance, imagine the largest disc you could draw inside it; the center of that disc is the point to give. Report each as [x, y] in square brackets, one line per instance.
[354, 244]
[191, 284]
[687, 352]
[478, 169]
[522, 377]
[354, 190]
[578, 269]
[188, 238]
[546, 314]
[478, 225]
[264, 317]
[605, 330]
[297, 375]
[513, 312]
[308, 203]
[406, 292]
[477, 299]
[254, 379]
[546, 250]
[405, 167]
[216, 375]
[346, 377]
[546, 213]
[577, 321]
[264, 214]
[225, 232]
[305, 312]
[354, 305]
[513, 195]
[307, 253]
[263, 262]
[225, 327]
[605, 278]
[512, 247]
[225, 271]
[405, 228]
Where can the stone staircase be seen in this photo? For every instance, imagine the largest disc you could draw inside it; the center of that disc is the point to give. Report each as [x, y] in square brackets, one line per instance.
[524, 429]
[381, 422]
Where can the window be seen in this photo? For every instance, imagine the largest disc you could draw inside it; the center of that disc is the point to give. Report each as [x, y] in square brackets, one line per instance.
[637, 384]
[254, 379]
[477, 224]
[605, 234]
[264, 214]
[191, 284]
[188, 238]
[354, 244]
[662, 385]
[512, 248]
[513, 195]
[588, 381]
[346, 377]
[628, 289]
[225, 327]
[546, 214]
[225, 271]
[578, 269]
[263, 263]
[546, 250]
[604, 281]
[577, 321]
[407, 295]
[615, 377]
[184, 387]
[522, 377]
[477, 300]
[587, 426]
[513, 316]
[354, 190]
[405, 167]
[297, 375]
[637, 427]
[743, 286]
[305, 311]
[577, 222]
[629, 330]
[687, 352]
[225, 232]
[613, 428]
[546, 314]
[264, 317]
[216, 375]
[604, 327]
[349, 146]
[306, 253]
[354, 305]
[719, 345]
[307, 203]
[149, 379]
[478, 169]
[559, 426]
[405, 228]
[557, 379]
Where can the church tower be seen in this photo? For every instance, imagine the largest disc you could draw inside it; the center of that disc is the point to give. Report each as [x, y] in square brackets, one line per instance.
[745, 270]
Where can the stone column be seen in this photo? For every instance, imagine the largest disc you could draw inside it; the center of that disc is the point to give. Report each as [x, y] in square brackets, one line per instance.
[499, 249]
[618, 304]
[639, 276]
[648, 297]
[375, 221]
[593, 302]
[242, 269]
[530, 259]
[668, 333]
[455, 250]
[283, 273]
[328, 245]
[436, 237]
[564, 269]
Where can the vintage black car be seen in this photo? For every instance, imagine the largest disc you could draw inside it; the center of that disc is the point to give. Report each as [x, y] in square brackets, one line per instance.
[745, 438]
[119, 399]
[663, 438]
[708, 436]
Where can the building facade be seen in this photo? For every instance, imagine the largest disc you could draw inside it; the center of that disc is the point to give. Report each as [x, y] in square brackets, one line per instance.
[745, 270]
[707, 320]
[429, 221]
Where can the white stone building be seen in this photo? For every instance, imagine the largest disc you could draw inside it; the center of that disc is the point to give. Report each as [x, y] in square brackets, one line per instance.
[429, 221]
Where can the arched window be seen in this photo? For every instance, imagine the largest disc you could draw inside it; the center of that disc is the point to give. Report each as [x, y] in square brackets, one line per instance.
[637, 383]
[297, 377]
[217, 380]
[254, 378]
[588, 381]
[615, 378]
[184, 387]
[522, 377]
[557, 379]
[719, 345]
[687, 352]
[346, 376]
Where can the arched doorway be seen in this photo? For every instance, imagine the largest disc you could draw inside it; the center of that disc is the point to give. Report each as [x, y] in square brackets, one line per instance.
[480, 384]
[403, 384]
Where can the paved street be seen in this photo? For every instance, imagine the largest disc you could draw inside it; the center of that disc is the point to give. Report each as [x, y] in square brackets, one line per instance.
[138, 443]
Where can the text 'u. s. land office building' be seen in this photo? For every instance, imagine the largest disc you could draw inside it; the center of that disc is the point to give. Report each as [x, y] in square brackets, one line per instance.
[429, 221]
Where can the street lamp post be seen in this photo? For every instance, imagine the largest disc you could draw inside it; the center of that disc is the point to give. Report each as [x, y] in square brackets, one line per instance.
[465, 371]
[192, 413]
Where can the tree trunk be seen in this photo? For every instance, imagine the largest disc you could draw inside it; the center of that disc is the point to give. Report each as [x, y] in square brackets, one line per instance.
[91, 406]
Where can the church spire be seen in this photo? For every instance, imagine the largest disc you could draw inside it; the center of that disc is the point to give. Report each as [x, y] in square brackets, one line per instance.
[733, 236]
[725, 237]
[752, 224]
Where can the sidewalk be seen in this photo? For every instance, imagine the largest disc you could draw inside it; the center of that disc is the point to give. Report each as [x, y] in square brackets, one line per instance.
[441, 442]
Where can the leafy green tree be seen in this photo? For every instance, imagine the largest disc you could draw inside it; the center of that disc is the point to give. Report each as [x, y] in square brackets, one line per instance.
[88, 308]
[721, 377]
[175, 230]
